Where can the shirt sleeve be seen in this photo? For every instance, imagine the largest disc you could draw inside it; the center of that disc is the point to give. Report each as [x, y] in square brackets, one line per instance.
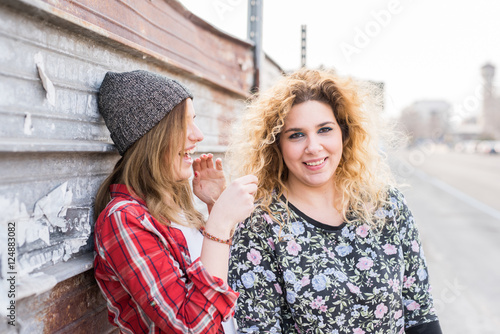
[175, 301]
[418, 305]
[255, 274]
[432, 327]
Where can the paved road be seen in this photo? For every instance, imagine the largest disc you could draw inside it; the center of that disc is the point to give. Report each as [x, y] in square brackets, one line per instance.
[455, 200]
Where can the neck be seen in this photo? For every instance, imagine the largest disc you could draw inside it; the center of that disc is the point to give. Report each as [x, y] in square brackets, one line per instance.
[314, 197]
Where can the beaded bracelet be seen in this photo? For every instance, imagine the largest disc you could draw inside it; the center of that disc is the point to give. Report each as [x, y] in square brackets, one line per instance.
[211, 237]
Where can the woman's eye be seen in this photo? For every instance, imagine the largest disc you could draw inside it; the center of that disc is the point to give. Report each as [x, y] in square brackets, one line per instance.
[296, 135]
[325, 129]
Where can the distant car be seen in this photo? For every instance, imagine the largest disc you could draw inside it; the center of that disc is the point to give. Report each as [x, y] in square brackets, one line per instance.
[466, 146]
[486, 146]
[496, 146]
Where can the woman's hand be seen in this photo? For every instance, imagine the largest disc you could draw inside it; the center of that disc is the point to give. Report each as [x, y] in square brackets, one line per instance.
[209, 180]
[234, 205]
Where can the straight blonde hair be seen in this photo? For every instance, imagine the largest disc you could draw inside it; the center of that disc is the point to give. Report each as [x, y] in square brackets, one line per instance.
[148, 170]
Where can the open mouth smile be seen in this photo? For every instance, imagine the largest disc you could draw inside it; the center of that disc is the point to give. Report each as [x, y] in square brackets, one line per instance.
[315, 163]
[190, 151]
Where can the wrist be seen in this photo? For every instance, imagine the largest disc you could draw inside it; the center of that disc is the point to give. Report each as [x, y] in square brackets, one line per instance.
[217, 224]
[212, 237]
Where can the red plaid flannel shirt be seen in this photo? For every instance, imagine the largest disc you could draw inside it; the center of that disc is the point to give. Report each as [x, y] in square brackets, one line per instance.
[145, 272]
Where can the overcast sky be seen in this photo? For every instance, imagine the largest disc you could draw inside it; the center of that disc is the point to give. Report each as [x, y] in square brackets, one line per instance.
[421, 49]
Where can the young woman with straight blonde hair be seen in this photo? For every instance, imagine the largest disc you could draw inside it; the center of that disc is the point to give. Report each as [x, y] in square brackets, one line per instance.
[161, 267]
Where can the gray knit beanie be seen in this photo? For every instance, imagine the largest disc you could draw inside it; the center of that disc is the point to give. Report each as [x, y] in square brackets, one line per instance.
[132, 103]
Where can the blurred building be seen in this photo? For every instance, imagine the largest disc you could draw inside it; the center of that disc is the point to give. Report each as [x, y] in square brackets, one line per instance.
[426, 119]
[491, 104]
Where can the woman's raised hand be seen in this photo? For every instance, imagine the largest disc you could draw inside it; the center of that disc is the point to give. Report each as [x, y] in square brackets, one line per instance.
[234, 205]
[209, 180]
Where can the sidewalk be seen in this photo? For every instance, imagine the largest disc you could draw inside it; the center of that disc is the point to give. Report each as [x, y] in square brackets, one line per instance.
[462, 245]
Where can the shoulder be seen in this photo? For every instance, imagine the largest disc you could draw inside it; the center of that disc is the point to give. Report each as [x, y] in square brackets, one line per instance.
[395, 199]
[262, 224]
[275, 215]
[125, 205]
[400, 214]
[125, 213]
[124, 202]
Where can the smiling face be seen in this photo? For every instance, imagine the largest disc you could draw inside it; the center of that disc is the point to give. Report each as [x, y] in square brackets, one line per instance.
[193, 135]
[311, 145]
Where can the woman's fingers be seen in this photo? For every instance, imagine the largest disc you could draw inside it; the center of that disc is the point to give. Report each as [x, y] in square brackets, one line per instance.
[197, 165]
[218, 164]
[205, 161]
[209, 161]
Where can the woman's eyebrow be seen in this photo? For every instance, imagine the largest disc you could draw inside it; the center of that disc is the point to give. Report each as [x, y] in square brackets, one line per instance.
[293, 130]
[300, 129]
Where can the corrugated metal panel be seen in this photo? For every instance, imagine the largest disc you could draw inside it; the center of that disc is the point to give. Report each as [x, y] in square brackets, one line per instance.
[55, 149]
[73, 306]
[162, 31]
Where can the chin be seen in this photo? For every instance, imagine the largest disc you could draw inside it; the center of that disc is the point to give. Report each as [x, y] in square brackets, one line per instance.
[184, 175]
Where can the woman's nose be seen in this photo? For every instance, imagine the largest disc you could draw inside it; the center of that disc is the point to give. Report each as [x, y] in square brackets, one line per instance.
[313, 146]
[195, 133]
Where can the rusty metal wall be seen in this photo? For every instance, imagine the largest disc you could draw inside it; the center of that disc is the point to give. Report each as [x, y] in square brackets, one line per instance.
[55, 149]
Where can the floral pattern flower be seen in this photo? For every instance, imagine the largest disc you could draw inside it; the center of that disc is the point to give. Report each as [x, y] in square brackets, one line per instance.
[306, 275]
[293, 248]
[364, 263]
[362, 231]
[380, 310]
[389, 249]
[254, 257]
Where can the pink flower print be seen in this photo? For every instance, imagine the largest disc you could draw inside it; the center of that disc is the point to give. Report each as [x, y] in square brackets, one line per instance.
[408, 281]
[364, 263]
[278, 288]
[293, 248]
[305, 281]
[329, 252]
[414, 246]
[394, 284]
[362, 231]
[358, 331]
[254, 256]
[389, 249]
[317, 303]
[267, 218]
[413, 306]
[353, 288]
[271, 243]
[380, 311]
[398, 314]
[323, 308]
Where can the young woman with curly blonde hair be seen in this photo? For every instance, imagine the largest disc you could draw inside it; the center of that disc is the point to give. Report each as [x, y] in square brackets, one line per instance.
[332, 246]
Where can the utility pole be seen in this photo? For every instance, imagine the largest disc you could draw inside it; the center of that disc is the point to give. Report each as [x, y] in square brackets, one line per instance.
[303, 46]
[255, 35]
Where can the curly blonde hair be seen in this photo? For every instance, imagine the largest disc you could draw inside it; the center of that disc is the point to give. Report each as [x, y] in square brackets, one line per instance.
[362, 177]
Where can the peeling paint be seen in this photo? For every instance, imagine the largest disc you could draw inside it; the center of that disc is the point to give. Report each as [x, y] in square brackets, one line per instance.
[53, 207]
[28, 126]
[47, 84]
[53, 233]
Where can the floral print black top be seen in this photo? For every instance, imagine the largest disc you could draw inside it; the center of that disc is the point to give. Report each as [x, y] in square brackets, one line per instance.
[316, 278]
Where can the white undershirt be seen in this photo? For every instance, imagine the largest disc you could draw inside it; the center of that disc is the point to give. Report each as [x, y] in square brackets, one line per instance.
[194, 240]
